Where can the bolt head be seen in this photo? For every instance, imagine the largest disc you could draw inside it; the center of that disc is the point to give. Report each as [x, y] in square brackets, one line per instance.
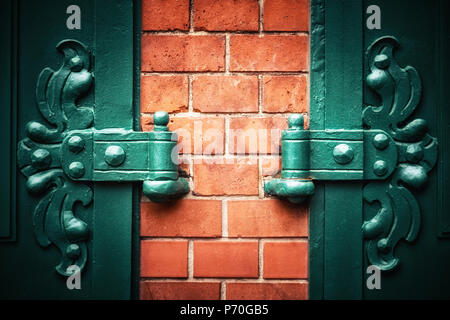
[76, 169]
[381, 141]
[41, 159]
[76, 144]
[380, 168]
[343, 153]
[114, 156]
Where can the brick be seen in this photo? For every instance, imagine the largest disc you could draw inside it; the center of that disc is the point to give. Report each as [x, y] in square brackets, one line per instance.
[164, 93]
[256, 135]
[183, 53]
[165, 15]
[285, 260]
[240, 177]
[225, 93]
[270, 166]
[266, 218]
[285, 94]
[267, 291]
[286, 15]
[179, 290]
[164, 259]
[185, 218]
[226, 15]
[195, 135]
[226, 259]
[269, 53]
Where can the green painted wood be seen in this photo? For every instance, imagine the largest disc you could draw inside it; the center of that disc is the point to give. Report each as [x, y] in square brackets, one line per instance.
[114, 72]
[103, 230]
[343, 100]
[443, 70]
[316, 205]
[422, 263]
[28, 269]
[417, 254]
[6, 103]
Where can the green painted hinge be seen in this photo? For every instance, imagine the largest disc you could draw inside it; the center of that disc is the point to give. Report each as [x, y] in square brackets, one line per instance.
[392, 148]
[330, 155]
[61, 158]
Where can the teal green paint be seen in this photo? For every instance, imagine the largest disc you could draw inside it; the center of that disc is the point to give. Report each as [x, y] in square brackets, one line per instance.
[317, 86]
[408, 248]
[6, 103]
[100, 244]
[24, 259]
[114, 92]
[442, 71]
[400, 91]
[422, 253]
[336, 100]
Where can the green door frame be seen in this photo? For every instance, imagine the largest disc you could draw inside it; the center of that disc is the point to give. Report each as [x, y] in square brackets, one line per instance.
[116, 272]
[336, 246]
[114, 238]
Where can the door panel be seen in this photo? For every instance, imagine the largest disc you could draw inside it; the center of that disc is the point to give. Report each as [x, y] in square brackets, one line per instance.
[28, 269]
[420, 27]
[339, 67]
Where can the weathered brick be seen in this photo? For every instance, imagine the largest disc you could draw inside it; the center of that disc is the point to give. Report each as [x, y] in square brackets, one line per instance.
[183, 53]
[165, 15]
[286, 260]
[225, 93]
[285, 94]
[256, 135]
[286, 15]
[237, 177]
[269, 53]
[179, 290]
[270, 166]
[195, 135]
[266, 218]
[185, 218]
[164, 259]
[226, 259]
[267, 291]
[226, 15]
[164, 93]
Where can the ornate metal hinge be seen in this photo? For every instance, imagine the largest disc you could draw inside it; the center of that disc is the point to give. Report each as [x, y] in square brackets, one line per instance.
[57, 160]
[309, 155]
[394, 154]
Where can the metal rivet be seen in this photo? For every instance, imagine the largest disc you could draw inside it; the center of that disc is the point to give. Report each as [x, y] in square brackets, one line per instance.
[41, 159]
[381, 141]
[76, 169]
[343, 153]
[73, 251]
[414, 153]
[380, 168]
[76, 144]
[114, 156]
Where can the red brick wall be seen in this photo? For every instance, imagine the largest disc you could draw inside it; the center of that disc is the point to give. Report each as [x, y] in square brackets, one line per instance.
[229, 72]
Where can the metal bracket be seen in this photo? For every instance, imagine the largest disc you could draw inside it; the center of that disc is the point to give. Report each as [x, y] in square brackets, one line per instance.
[330, 155]
[57, 159]
[120, 155]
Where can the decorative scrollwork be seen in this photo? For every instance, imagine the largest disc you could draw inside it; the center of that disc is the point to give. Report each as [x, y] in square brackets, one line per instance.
[39, 158]
[399, 215]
